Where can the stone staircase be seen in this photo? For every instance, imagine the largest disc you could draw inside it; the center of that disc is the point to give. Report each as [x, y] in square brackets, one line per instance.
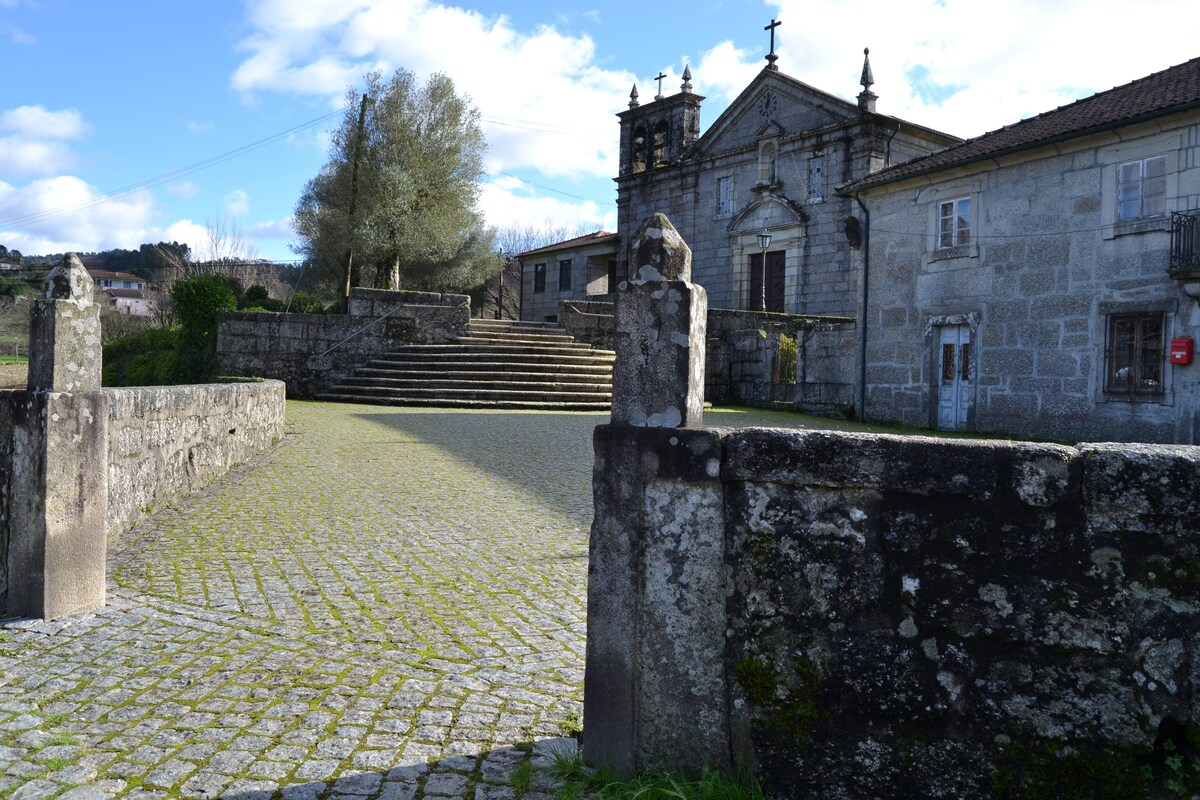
[498, 364]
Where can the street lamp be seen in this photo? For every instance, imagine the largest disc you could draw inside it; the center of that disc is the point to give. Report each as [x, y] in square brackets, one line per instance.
[764, 241]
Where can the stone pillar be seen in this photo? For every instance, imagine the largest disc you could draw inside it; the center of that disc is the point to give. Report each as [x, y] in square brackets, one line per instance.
[660, 322]
[57, 492]
[654, 686]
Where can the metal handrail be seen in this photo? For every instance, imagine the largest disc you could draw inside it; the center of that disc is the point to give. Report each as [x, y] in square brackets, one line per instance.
[570, 305]
[378, 320]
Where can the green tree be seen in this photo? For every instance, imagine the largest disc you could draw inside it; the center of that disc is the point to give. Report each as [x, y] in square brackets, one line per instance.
[416, 223]
[198, 303]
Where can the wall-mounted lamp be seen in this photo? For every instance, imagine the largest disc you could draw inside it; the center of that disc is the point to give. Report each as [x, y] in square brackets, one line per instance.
[764, 239]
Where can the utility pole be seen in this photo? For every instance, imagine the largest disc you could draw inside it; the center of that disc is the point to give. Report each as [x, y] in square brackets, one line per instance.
[362, 118]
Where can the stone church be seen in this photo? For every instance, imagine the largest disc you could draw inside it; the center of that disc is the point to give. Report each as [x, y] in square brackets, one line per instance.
[768, 165]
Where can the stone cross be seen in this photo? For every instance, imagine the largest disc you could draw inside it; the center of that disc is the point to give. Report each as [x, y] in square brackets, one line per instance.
[660, 322]
[772, 58]
[659, 77]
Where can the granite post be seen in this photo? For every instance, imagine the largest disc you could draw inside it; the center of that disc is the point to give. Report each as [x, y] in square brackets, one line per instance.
[57, 493]
[654, 685]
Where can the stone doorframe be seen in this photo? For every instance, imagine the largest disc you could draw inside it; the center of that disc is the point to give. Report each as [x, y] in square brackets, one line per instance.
[786, 223]
[930, 361]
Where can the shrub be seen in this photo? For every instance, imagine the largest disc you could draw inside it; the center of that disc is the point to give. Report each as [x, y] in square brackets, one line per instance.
[145, 358]
[305, 303]
[257, 298]
[198, 303]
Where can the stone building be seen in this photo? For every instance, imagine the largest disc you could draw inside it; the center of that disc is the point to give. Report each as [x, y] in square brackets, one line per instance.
[769, 164]
[1033, 280]
[582, 268]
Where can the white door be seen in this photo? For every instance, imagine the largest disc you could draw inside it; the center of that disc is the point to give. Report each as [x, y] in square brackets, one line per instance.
[955, 380]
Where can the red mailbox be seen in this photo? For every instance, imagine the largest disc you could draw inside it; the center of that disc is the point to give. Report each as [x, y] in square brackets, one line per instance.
[1181, 351]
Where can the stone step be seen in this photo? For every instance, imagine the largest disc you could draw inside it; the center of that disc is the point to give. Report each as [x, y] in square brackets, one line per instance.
[475, 404]
[598, 376]
[504, 381]
[499, 337]
[519, 349]
[419, 356]
[534, 394]
[498, 364]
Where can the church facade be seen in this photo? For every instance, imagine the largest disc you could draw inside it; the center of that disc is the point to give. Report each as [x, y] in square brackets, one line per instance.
[768, 165]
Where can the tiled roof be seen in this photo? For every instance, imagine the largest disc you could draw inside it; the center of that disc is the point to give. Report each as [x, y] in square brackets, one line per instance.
[599, 237]
[1172, 90]
[132, 294]
[98, 274]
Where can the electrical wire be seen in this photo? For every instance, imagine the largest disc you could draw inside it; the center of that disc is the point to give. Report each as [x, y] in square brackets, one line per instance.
[165, 177]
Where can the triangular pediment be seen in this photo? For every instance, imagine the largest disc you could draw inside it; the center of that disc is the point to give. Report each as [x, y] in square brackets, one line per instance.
[778, 100]
[769, 130]
[766, 211]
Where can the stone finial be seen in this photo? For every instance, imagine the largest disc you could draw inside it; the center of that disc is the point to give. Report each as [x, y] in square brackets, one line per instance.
[633, 97]
[70, 281]
[686, 86]
[866, 99]
[64, 332]
[659, 253]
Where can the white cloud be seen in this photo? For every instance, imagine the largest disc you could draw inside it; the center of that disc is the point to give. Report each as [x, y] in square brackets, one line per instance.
[33, 140]
[66, 213]
[184, 231]
[237, 203]
[199, 127]
[544, 101]
[272, 229]
[505, 206]
[966, 67]
[184, 189]
[39, 122]
[19, 36]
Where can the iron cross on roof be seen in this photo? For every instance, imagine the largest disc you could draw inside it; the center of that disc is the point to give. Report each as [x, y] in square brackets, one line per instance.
[771, 57]
[659, 77]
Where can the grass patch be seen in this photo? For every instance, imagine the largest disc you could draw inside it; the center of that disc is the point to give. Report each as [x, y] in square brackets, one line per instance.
[570, 725]
[521, 779]
[14, 359]
[603, 785]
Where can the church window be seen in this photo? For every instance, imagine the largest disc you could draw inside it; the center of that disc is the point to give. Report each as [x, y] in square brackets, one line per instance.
[1142, 188]
[539, 277]
[954, 222]
[659, 156]
[816, 177]
[564, 274]
[638, 149]
[724, 196]
[766, 163]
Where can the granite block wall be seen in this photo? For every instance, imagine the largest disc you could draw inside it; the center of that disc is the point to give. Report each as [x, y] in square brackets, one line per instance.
[293, 347]
[893, 617]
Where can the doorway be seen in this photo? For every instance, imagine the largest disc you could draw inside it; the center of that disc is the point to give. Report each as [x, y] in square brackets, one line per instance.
[955, 379]
[773, 298]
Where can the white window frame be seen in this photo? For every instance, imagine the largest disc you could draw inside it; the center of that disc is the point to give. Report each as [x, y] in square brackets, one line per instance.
[956, 207]
[1133, 199]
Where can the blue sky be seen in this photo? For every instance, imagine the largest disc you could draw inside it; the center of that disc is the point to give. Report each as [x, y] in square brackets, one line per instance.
[100, 96]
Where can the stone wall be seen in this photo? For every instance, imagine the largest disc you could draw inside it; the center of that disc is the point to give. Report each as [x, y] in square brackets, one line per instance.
[293, 347]
[743, 355]
[168, 441]
[877, 616]
[162, 443]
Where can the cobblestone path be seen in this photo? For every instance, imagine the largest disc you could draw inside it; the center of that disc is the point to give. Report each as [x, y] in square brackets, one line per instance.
[386, 606]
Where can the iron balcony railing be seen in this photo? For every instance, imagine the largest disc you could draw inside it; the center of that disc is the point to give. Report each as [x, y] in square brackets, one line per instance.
[1185, 241]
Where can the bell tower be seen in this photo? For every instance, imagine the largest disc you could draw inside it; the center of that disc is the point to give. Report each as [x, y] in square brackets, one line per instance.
[657, 134]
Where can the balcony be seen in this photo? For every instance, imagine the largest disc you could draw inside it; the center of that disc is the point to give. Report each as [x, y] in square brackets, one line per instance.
[1185, 245]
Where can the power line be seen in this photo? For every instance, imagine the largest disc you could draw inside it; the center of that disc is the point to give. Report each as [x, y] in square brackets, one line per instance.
[165, 177]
